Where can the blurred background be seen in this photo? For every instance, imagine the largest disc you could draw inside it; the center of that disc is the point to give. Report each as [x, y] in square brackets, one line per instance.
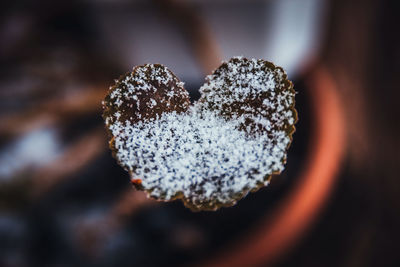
[64, 201]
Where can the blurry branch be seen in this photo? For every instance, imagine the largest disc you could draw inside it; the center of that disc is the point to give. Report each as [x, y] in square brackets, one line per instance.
[199, 35]
[74, 158]
[128, 204]
[52, 111]
[92, 237]
[349, 60]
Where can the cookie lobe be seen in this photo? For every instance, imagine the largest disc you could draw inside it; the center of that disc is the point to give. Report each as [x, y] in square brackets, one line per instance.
[141, 95]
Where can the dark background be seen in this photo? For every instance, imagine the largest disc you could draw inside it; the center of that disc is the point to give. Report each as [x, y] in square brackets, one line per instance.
[65, 202]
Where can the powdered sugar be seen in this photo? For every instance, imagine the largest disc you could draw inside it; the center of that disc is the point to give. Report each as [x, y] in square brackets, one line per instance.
[188, 153]
[226, 144]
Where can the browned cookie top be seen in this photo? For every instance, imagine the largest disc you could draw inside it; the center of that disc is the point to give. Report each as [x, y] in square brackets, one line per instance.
[141, 95]
[212, 153]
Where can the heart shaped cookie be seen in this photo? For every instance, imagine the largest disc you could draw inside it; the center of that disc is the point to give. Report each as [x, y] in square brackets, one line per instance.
[209, 154]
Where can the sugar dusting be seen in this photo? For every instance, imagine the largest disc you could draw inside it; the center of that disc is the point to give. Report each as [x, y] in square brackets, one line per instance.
[226, 144]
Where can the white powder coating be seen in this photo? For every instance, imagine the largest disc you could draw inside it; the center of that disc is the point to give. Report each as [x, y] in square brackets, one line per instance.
[225, 145]
[254, 92]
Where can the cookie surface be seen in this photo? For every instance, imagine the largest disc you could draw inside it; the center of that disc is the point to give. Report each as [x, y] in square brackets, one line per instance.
[209, 154]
